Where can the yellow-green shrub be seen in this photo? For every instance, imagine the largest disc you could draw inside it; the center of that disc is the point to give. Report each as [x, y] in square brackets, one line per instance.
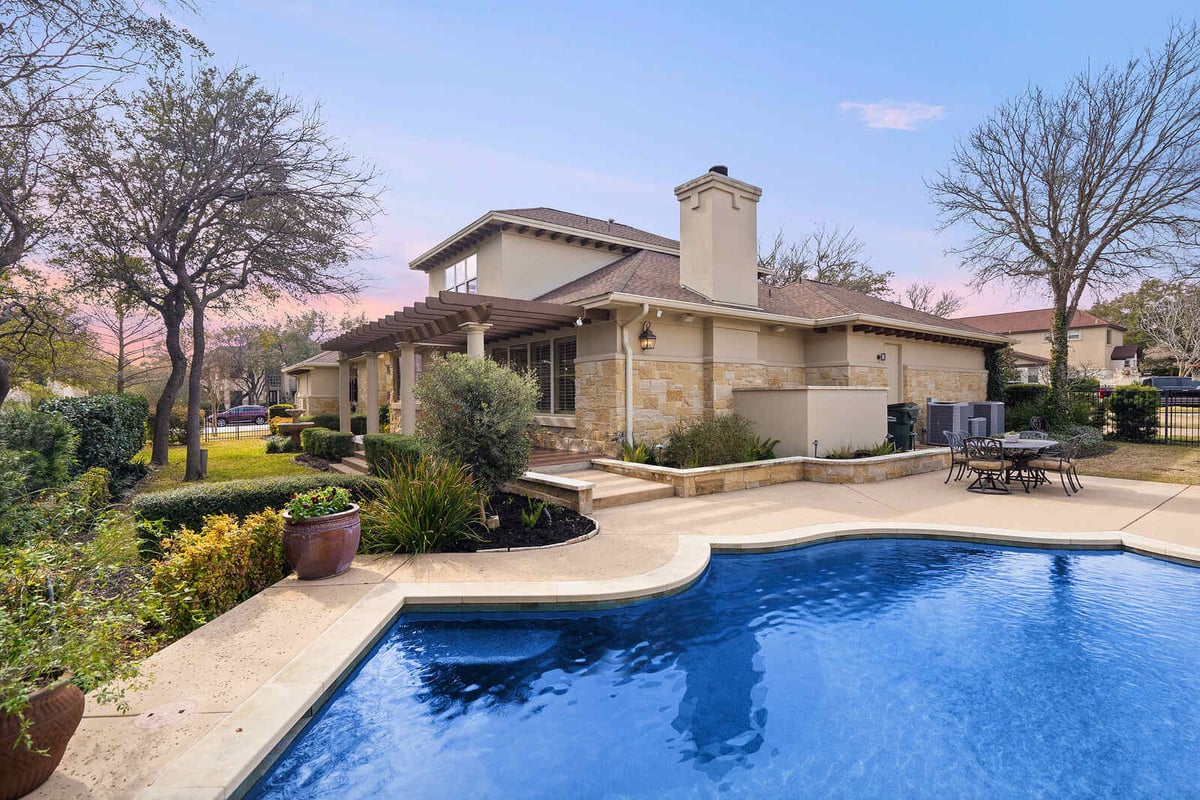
[205, 573]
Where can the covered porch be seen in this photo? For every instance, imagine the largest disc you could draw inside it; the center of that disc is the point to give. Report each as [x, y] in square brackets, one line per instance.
[450, 322]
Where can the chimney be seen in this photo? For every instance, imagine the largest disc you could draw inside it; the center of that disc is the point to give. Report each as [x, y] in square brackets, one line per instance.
[718, 237]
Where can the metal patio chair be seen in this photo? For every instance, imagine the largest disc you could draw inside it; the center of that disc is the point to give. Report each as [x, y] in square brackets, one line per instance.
[1034, 434]
[985, 458]
[958, 454]
[1061, 459]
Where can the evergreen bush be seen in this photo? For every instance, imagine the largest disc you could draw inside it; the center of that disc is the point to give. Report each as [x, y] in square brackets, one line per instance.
[727, 439]
[326, 444]
[46, 442]
[324, 420]
[382, 450]
[1134, 411]
[110, 428]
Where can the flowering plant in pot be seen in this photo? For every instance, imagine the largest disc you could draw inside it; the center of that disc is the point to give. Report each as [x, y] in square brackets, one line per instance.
[321, 531]
[63, 632]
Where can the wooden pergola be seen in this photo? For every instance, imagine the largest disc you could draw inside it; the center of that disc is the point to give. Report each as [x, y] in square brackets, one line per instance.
[452, 319]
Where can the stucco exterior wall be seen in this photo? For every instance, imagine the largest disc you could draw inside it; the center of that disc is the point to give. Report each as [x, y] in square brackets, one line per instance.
[1091, 350]
[316, 390]
[836, 417]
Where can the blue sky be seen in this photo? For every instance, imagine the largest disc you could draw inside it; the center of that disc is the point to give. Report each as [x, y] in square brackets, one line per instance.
[839, 111]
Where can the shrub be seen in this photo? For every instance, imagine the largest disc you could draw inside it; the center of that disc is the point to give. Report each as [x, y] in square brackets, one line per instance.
[278, 444]
[1016, 417]
[764, 448]
[843, 452]
[727, 439]
[324, 420]
[178, 433]
[358, 424]
[424, 507]
[1083, 383]
[1092, 442]
[384, 449]
[273, 424]
[110, 428]
[1081, 409]
[385, 417]
[205, 573]
[326, 444]
[280, 410]
[318, 503]
[48, 441]
[1134, 413]
[478, 413]
[189, 505]
[64, 512]
[1016, 394]
[635, 453]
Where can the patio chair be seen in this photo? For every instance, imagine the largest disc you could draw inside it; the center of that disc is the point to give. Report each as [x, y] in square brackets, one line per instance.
[958, 454]
[985, 457]
[1037, 423]
[1060, 459]
[1034, 434]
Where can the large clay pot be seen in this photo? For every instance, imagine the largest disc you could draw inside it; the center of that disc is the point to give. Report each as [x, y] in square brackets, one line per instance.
[54, 713]
[322, 547]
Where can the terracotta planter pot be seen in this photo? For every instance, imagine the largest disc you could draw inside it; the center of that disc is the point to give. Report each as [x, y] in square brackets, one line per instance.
[55, 713]
[322, 547]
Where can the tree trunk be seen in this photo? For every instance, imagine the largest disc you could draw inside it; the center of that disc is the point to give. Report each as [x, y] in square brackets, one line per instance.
[5, 384]
[120, 351]
[192, 470]
[1060, 400]
[172, 314]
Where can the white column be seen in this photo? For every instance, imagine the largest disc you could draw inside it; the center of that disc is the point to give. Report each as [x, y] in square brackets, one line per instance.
[408, 379]
[474, 331]
[344, 394]
[372, 393]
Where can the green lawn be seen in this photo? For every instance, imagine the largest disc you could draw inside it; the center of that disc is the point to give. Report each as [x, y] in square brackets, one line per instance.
[227, 461]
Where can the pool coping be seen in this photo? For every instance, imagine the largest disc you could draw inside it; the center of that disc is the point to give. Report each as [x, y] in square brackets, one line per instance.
[226, 760]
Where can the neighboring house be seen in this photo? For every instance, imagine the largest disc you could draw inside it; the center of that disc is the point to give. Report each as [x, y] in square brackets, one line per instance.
[630, 333]
[1095, 346]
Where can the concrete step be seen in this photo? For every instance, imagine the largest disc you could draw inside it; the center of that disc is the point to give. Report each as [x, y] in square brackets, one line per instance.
[353, 464]
[618, 490]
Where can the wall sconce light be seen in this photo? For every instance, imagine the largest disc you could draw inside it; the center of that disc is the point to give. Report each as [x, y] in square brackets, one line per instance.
[647, 339]
[881, 357]
[687, 317]
[579, 322]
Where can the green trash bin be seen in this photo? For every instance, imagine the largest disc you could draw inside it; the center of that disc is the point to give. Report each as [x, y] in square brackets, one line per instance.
[902, 418]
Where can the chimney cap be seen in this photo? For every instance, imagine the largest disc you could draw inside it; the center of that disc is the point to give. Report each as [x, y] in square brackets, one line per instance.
[720, 169]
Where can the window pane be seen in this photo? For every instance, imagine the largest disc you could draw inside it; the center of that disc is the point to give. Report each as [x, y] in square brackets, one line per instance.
[564, 360]
[541, 365]
[449, 278]
[470, 268]
[518, 358]
[472, 287]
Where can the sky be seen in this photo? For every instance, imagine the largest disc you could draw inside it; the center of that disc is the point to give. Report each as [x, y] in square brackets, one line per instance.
[840, 111]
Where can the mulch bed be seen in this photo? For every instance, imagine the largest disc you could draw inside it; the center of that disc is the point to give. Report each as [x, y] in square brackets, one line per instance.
[556, 525]
[312, 461]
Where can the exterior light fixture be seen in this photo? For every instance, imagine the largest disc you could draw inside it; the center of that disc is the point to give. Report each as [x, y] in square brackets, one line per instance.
[687, 317]
[881, 357]
[579, 322]
[647, 339]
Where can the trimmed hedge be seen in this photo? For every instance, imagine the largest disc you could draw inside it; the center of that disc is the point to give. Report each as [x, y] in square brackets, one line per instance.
[385, 449]
[1134, 412]
[280, 410]
[187, 506]
[1018, 393]
[358, 424]
[324, 420]
[111, 428]
[326, 444]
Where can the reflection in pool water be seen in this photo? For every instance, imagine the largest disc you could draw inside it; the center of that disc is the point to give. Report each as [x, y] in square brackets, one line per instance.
[856, 669]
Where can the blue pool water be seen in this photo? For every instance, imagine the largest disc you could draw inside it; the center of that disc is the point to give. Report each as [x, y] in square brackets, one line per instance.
[873, 669]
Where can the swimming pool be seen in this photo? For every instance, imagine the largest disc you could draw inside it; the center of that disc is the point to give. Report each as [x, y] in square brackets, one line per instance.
[881, 668]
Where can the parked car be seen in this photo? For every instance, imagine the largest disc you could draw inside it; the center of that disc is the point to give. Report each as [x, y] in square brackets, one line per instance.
[239, 415]
[1176, 391]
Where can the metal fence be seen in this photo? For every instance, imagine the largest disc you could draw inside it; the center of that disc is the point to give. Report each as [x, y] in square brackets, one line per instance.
[211, 433]
[1178, 415]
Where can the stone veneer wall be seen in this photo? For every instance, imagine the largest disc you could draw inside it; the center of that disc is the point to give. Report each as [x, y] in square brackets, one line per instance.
[955, 385]
[846, 375]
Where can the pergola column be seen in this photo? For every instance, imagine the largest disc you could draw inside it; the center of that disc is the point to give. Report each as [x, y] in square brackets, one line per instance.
[344, 394]
[372, 392]
[408, 379]
[474, 331]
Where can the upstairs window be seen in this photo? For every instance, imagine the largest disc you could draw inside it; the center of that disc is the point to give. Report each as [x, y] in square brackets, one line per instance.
[463, 276]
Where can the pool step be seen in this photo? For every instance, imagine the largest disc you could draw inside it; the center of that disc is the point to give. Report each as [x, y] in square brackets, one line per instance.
[619, 490]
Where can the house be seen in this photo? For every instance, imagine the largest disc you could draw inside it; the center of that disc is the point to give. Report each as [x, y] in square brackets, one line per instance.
[630, 332]
[1095, 347]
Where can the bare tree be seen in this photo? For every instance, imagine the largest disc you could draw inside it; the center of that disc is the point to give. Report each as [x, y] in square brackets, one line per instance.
[920, 295]
[131, 334]
[1173, 323]
[828, 255]
[228, 188]
[1092, 187]
[58, 59]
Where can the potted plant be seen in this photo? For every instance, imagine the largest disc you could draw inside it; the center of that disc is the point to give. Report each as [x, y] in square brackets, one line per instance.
[321, 531]
[61, 634]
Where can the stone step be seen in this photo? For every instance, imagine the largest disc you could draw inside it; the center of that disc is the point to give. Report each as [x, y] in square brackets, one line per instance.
[353, 464]
[618, 490]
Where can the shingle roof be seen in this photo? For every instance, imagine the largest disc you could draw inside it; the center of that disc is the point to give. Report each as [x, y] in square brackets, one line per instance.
[1019, 356]
[1040, 319]
[650, 274]
[1124, 351]
[323, 358]
[603, 227]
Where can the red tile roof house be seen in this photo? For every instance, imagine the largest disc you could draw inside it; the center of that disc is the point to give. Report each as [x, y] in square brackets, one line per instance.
[570, 296]
[1095, 346]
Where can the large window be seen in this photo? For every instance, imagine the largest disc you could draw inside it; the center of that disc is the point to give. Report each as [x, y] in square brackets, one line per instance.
[553, 363]
[462, 277]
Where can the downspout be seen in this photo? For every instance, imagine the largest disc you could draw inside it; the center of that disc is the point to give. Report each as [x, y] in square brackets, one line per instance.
[625, 348]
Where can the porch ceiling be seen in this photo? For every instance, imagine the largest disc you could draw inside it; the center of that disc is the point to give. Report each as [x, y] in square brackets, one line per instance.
[436, 320]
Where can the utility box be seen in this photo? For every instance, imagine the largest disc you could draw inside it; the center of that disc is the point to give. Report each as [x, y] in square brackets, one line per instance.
[993, 412]
[977, 426]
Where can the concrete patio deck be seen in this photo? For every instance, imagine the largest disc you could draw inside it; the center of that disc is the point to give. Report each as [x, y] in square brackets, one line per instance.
[222, 694]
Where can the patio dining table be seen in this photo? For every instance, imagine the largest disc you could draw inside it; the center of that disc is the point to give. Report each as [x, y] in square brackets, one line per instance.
[1022, 451]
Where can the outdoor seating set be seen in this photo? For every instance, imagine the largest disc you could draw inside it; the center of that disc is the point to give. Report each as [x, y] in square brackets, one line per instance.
[1028, 458]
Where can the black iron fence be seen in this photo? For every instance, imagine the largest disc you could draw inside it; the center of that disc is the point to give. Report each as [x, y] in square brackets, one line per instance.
[1178, 415]
[248, 430]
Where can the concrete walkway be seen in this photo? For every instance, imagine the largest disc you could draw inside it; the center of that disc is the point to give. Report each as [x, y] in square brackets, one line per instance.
[197, 683]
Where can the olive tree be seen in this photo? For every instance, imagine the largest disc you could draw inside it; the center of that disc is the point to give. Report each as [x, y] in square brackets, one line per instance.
[1087, 188]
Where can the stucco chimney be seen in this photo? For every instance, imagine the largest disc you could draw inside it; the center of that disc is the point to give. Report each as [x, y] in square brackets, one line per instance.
[718, 237]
